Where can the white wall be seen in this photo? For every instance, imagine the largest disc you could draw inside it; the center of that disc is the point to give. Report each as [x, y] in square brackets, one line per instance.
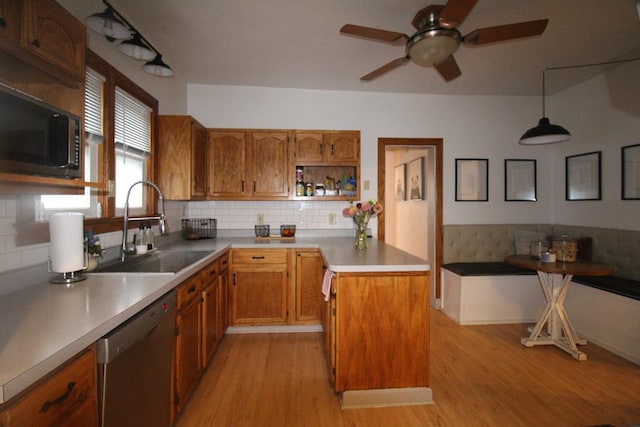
[471, 126]
[603, 114]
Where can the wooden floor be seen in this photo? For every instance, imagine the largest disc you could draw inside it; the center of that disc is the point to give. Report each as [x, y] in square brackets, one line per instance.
[480, 376]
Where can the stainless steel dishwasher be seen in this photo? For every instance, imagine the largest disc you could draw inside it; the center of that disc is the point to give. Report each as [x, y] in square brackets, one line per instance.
[134, 367]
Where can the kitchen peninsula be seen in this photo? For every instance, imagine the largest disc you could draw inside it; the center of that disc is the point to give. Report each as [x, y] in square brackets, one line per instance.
[46, 325]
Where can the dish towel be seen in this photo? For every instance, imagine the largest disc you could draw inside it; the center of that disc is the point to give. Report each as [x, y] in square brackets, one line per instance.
[326, 284]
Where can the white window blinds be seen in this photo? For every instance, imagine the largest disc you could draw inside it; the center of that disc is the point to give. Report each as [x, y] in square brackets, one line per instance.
[132, 125]
[93, 106]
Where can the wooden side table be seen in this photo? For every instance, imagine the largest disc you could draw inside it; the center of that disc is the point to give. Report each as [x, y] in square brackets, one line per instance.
[560, 332]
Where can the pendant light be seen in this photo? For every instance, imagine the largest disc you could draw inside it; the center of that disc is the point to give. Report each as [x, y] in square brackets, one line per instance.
[136, 48]
[545, 132]
[107, 24]
[113, 25]
[157, 67]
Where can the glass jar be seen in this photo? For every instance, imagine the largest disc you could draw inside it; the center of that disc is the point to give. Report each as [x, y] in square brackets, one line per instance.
[308, 189]
[299, 189]
[319, 189]
[566, 248]
[537, 247]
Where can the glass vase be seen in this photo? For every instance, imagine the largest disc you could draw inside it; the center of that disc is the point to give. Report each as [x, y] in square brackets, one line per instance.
[361, 236]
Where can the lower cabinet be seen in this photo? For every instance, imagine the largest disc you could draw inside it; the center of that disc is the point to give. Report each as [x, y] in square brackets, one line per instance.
[200, 325]
[188, 355]
[275, 287]
[68, 396]
[367, 349]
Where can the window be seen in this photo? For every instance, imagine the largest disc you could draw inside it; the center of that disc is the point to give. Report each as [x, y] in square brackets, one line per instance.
[133, 147]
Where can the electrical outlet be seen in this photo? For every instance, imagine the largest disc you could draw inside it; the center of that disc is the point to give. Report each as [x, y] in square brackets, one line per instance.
[332, 219]
[366, 184]
[260, 219]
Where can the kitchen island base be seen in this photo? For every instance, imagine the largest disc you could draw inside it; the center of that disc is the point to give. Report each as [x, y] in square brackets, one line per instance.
[354, 399]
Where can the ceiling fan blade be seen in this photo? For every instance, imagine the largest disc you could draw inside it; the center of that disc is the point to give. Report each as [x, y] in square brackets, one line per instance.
[373, 33]
[506, 32]
[455, 12]
[448, 68]
[385, 68]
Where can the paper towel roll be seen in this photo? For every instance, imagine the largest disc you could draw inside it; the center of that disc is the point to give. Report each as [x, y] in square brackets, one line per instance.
[66, 252]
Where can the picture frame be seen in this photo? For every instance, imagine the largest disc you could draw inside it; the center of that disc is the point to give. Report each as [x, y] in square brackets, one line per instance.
[630, 156]
[582, 176]
[416, 180]
[520, 176]
[400, 182]
[472, 180]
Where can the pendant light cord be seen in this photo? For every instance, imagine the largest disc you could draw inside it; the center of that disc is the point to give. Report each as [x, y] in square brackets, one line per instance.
[594, 64]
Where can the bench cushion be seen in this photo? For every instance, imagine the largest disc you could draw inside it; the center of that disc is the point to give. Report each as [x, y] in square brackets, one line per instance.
[618, 285]
[486, 269]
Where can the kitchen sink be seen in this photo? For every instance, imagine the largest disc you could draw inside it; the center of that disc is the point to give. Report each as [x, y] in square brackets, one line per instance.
[154, 262]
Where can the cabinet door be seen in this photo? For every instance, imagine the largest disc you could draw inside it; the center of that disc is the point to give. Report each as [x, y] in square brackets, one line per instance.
[223, 299]
[258, 294]
[343, 147]
[268, 168]
[227, 162]
[54, 35]
[188, 349]
[10, 31]
[209, 320]
[198, 161]
[67, 397]
[308, 147]
[308, 289]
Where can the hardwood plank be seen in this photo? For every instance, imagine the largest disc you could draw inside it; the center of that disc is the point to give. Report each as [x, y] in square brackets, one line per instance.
[480, 376]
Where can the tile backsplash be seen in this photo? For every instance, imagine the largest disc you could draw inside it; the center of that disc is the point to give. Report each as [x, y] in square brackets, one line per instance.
[230, 215]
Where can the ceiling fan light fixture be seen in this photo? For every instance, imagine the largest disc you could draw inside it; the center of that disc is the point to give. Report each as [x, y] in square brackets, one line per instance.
[107, 24]
[433, 46]
[136, 48]
[544, 133]
[157, 67]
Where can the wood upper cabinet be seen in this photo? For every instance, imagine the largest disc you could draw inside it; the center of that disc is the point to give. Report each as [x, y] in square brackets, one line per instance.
[248, 165]
[68, 396]
[45, 35]
[181, 158]
[258, 287]
[308, 289]
[327, 147]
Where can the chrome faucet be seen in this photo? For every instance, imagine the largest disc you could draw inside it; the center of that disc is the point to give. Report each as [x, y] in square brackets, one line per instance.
[160, 217]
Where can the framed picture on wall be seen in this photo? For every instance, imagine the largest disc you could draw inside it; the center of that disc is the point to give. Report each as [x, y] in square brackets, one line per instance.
[416, 179]
[520, 180]
[399, 179]
[472, 180]
[582, 176]
[631, 172]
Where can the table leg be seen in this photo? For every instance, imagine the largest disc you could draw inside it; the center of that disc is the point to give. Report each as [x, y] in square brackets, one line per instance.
[560, 331]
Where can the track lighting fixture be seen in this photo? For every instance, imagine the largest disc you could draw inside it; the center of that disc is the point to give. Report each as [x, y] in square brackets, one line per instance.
[114, 26]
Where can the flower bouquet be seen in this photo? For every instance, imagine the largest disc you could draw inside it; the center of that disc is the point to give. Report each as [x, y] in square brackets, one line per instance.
[361, 212]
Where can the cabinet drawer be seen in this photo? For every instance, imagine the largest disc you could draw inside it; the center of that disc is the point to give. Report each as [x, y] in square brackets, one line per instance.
[224, 262]
[70, 393]
[259, 256]
[188, 290]
[211, 270]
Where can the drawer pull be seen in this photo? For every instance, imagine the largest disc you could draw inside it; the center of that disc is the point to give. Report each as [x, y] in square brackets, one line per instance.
[49, 403]
[257, 257]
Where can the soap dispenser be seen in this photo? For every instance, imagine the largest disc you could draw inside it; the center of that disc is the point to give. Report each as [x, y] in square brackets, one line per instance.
[150, 237]
[140, 241]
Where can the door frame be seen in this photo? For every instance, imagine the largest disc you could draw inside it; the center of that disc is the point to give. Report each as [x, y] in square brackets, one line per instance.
[437, 144]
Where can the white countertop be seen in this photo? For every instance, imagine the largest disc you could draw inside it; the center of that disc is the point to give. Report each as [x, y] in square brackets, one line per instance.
[45, 325]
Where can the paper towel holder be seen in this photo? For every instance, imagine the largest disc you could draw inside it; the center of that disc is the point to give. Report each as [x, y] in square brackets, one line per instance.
[69, 277]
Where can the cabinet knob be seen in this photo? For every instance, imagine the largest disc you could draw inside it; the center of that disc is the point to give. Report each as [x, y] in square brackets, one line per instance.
[35, 42]
[3, 23]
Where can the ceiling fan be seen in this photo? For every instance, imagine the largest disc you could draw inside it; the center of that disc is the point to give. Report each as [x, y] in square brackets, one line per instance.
[437, 37]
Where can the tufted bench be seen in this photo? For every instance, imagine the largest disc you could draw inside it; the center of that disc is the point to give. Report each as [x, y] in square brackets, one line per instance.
[479, 288]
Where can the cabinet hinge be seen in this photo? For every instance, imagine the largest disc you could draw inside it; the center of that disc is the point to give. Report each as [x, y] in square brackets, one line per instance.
[333, 311]
[333, 370]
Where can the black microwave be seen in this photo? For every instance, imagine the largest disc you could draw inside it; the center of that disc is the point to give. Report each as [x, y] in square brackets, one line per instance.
[36, 138]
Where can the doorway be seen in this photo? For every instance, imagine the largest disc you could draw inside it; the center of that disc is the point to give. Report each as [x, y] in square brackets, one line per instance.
[412, 222]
